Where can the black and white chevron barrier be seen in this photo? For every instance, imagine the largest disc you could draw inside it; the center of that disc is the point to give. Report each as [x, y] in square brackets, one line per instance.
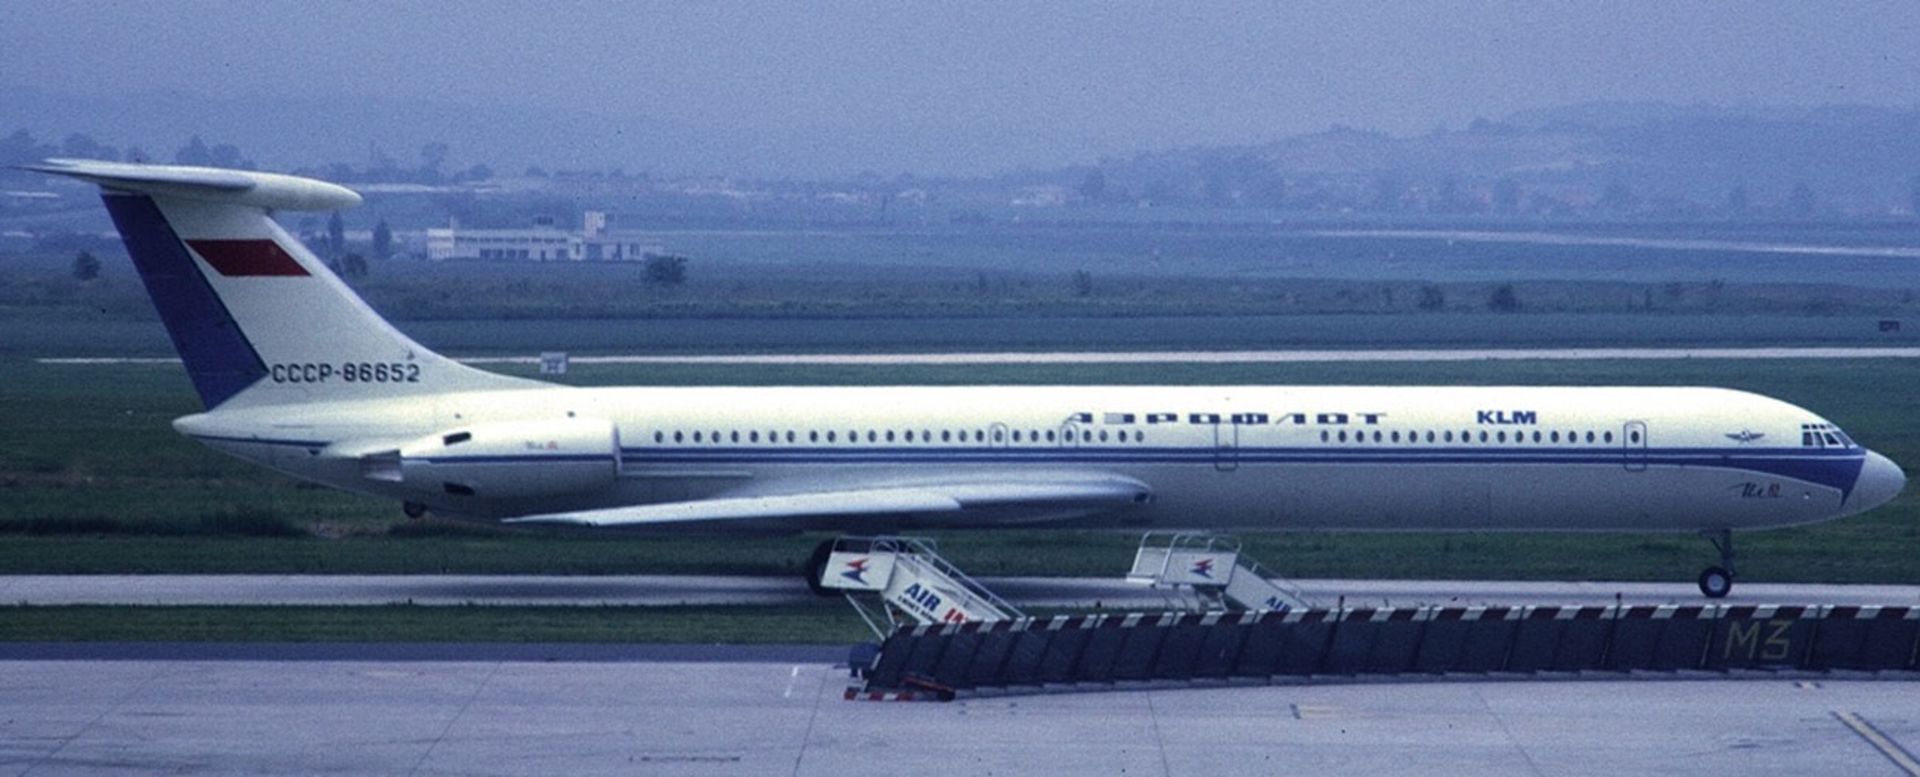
[1116, 648]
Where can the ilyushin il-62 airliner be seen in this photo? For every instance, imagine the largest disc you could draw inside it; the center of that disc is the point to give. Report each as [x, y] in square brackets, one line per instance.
[300, 375]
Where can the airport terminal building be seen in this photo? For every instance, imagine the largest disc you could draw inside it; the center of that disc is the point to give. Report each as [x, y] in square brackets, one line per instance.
[543, 242]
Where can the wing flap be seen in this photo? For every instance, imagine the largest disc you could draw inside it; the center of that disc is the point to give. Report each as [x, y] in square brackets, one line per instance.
[933, 498]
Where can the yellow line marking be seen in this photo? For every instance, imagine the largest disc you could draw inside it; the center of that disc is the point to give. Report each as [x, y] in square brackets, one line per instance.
[1887, 747]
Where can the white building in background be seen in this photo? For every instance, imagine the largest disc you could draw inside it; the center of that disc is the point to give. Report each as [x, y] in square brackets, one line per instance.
[543, 242]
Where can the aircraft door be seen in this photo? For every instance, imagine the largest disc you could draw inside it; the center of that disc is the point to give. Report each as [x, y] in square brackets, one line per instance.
[997, 435]
[1070, 435]
[1226, 444]
[1633, 437]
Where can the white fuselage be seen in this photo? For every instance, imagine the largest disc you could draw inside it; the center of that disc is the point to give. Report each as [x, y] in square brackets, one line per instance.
[1369, 458]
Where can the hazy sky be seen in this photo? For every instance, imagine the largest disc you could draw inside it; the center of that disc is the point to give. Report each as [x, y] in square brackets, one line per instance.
[970, 87]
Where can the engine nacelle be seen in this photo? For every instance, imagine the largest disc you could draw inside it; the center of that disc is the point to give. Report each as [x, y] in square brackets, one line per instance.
[507, 460]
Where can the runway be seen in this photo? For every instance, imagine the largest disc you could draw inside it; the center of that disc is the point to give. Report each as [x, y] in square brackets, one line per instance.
[1174, 357]
[669, 590]
[488, 717]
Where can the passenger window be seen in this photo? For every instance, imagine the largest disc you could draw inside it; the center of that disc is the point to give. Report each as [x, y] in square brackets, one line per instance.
[1324, 435]
[659, 436]
[676, 437]
[1049, 435]
[1016, 435]
[813, 436]
[1343, 435]
[1103, 435]
[753, 437]
[829, 436]
[1609, 437]
[696, 436]
[1483, 436]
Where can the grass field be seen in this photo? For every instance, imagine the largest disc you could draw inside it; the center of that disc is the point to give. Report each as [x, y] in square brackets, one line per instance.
[94, 480]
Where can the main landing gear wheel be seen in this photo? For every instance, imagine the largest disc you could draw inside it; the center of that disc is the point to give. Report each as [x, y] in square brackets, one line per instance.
[816, 564]
[1716, 582]
[413, 510]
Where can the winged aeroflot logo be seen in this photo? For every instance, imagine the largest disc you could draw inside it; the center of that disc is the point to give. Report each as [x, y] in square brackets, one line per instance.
[1745, 435]
[856, 571]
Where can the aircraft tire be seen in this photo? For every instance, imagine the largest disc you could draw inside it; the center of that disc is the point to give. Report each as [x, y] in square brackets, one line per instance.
[1716, 582]
[816, 564]
[413, 510]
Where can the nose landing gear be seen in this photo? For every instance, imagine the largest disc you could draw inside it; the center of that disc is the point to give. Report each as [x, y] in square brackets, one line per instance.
[1717, 582]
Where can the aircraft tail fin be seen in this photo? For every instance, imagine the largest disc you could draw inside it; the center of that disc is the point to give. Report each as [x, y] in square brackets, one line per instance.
[255, 316]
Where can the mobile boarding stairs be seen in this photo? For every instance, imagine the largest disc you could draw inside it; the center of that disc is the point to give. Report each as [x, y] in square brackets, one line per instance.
[1199, 572]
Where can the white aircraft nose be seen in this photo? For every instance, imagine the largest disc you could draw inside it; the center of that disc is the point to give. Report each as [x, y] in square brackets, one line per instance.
[1880, 481]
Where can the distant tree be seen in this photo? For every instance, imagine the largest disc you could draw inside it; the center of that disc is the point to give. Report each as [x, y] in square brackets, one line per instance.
[1503, 299]
[194, 153]
[1432, 298]
[433, 157]
[382, 240]
[665, 269]
[1800, 201]
[1093, 188]
[228, 155]
[1082, 283]
[336, 236]
[80, 146]
[352, 265]
[85, 266]
[20, 147]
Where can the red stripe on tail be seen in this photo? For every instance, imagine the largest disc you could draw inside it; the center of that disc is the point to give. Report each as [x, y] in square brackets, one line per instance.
[245, 258]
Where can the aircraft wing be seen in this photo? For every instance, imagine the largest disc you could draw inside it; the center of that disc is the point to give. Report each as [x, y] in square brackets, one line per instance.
[1026, 498]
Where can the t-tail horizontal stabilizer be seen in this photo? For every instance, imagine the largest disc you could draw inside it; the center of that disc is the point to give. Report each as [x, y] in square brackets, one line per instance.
[256, 317]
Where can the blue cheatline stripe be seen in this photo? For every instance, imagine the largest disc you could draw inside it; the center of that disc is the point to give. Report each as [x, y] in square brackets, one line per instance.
[1837, 468]
[216, 353]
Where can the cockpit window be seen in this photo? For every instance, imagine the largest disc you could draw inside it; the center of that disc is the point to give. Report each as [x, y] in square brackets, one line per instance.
[1824, 436]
